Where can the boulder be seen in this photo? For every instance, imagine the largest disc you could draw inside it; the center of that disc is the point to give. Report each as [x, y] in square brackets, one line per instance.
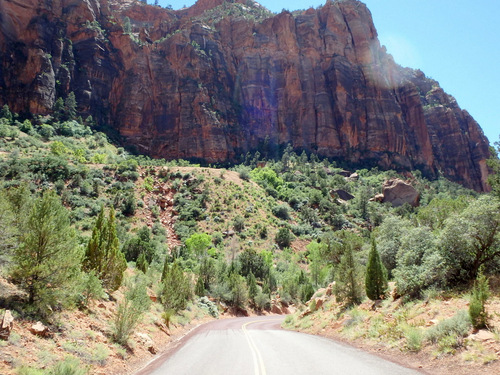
[146, 341]
[39, 329]
[6, 326]
[344, 195]
[397, 192]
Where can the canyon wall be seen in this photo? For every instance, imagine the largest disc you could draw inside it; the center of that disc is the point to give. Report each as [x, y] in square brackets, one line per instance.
[219, 79]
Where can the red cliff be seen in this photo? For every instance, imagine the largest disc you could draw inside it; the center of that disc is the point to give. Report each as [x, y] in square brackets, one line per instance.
[221, 78]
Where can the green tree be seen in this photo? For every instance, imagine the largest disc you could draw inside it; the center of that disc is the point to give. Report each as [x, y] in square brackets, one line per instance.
[376, 275]
[142, 264]
[141, 243]
[198, 244]
[70, 106]
[252, 287]
[494, 164]
[238, 287]
[477, 307]
[176, 288]
[48, 259]
[103, 253]
[349, 275]
[283, 238]
[419, 262]
[471, 239]
[127, 28]
[6, 113]
[199, 288]
[58, 109]
[130, 310]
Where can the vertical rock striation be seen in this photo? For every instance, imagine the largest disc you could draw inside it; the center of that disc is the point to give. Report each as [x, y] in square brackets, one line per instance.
[219, 79]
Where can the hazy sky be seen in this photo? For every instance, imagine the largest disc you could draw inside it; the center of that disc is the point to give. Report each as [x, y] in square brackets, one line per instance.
[455, 42]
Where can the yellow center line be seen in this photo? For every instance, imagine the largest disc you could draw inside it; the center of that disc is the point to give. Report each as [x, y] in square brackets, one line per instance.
[258, 363]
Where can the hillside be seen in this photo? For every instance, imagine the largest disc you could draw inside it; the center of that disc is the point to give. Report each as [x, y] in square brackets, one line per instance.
[221, 79]
[206, 242]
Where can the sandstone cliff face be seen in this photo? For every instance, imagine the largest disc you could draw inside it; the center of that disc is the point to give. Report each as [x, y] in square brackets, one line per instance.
[201, 83]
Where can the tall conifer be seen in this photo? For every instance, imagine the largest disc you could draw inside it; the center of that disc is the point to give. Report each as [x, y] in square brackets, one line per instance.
[376, 275]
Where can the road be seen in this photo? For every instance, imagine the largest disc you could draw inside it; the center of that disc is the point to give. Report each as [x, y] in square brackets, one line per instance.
[258, 346]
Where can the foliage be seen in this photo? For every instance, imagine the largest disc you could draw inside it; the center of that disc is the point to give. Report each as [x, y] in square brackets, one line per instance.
[252, 287]
[471, 239]
[419, 262]
[198, 244]
[494, 164]
[176, 288]
[103, 254]
[47, 261]
[130, 310]
[348, 286]
[238, 287]
[141, 243]
[477, 306]
[457, 327]
[376, 275]
[252, 263]
[283, 237]
[91, 288]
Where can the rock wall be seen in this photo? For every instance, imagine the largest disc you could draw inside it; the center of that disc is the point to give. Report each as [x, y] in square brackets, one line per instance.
[209, 83]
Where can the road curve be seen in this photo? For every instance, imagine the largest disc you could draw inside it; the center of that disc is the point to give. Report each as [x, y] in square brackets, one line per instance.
[258, 346]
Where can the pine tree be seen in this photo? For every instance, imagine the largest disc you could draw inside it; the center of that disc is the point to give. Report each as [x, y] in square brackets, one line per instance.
[199, 288]
[376, 275]
[103, 253]
[252, 287]
[127, 28]
[348, 286]
[176, 288]
[6, 113]
[479, 296]
[142, 263]
[58, 109]
[70, 106]
[48, 259]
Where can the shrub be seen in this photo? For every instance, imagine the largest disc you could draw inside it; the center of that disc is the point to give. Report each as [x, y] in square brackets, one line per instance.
[376, 275]
[281, 212]
[283, 237]
[414, 339]
[176, 288]
[477, 309]
[456, 326]
[130, 310]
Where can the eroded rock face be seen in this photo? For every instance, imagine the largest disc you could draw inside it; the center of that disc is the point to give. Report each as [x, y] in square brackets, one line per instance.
[397, 192]
[182, 85]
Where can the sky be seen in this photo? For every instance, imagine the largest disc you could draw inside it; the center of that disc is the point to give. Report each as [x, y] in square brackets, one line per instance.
[455, 42]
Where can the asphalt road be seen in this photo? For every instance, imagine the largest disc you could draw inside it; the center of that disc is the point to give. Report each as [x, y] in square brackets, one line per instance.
[258, 346]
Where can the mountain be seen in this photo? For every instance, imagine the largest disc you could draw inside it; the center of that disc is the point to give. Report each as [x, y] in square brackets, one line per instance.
[220, 79]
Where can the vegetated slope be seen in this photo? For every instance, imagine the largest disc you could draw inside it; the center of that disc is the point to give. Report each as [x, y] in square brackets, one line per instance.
[257, 238]
[216, 80]
[433, 334]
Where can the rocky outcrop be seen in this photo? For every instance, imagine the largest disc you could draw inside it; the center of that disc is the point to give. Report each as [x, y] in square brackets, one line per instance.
[397, 192]
[6, 325]
[201, 84]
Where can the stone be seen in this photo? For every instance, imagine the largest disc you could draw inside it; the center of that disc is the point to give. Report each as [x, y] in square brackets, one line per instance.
[39, 329]
[344, 195]
[7, 325]
[483, 335]
[397, 192]
[146, 341]
[318, 80]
